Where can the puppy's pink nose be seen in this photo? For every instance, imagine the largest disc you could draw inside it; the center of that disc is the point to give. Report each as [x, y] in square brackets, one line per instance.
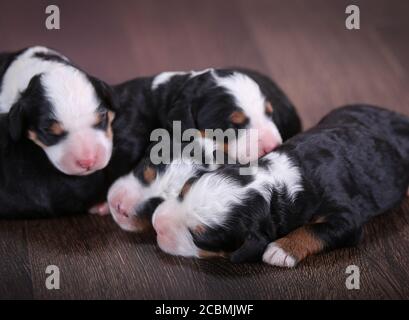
[270, 146]
[86, 163]
[267, 146]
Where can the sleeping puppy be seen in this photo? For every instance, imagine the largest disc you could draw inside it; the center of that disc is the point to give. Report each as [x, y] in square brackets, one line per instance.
[56, 135]
[134, 197]
[313, 193]
[228, 99]
[62, 110]
[209, 99]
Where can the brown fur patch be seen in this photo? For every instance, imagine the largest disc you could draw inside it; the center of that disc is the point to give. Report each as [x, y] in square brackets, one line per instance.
[200, 229]
[269, 108]
[301, 243]
[141, 224]
[238, 117]
[111, 117]
[203, 254]
[185, 189]
[56, 128]
[33, 137]
[149, 174]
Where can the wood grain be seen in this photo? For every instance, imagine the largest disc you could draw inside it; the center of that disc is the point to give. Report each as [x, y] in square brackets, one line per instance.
[305, 47]
[15, 267]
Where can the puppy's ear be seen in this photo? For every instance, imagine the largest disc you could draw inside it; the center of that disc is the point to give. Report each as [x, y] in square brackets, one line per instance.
[251, 250]
[106, 93]
[18, 114]
[286, 119]
[182, 111]
[16, 121]
[185, 106]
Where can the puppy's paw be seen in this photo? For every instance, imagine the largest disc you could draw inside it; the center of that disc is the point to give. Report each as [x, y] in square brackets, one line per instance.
[101, 209]
[276, 256]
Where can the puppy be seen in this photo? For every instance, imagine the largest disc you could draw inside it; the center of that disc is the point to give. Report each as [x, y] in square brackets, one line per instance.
[313, 193]
[228, 99]
[56, 136]
[62, 110]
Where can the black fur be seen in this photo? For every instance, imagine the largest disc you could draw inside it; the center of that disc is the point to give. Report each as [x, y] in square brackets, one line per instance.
[132, 126]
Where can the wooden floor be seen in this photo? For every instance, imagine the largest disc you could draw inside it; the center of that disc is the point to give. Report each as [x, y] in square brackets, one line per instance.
[305, 46]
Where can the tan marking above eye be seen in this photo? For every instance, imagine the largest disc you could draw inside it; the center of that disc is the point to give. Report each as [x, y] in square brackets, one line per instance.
[238, 117]
[111, 117]
[56, 129]
[269, 108]
[149, 174]
[185, 189]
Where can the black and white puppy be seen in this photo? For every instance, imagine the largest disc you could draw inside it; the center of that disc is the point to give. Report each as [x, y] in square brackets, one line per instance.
[56, 135]
[313, 193]
[228, 99]
[61, 109]
[209, 99]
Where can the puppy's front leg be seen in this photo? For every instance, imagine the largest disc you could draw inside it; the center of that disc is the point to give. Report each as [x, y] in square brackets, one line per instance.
[328, 233]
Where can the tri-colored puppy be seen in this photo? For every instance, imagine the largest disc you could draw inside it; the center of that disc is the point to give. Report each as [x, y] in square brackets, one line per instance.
[56, 135]
[313, 193]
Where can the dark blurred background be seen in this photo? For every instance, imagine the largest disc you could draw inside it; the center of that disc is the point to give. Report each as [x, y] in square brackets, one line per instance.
[304, 45]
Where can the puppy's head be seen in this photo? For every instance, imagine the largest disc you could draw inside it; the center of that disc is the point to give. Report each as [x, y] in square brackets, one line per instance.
[252, 112]
[68, 115]
[230, 100]
[131, 200]
[134, 198]
[208, 219]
